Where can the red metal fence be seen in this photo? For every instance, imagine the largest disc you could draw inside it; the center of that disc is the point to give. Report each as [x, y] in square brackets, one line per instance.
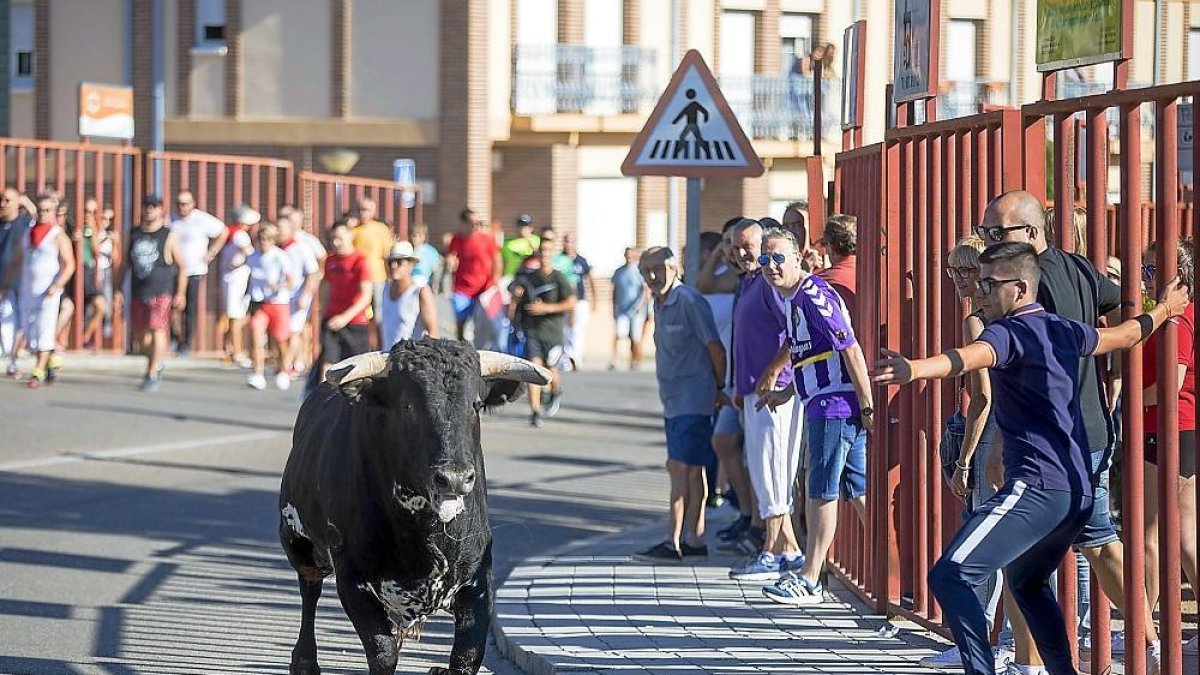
[118, 176]
[915, 195]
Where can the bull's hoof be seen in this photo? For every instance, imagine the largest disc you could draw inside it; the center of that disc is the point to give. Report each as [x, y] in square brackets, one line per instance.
[304, 667]
[444, 671]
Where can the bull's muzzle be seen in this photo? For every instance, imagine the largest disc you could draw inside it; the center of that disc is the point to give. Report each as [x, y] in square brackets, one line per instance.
[450, 489]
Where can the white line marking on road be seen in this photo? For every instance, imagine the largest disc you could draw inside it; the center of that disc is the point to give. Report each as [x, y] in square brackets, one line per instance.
[130, 451]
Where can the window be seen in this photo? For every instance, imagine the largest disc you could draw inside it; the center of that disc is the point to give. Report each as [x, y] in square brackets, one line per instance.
[210, 22]
[1193, 54]
[796, 39]
[20, 36]
[961, 44]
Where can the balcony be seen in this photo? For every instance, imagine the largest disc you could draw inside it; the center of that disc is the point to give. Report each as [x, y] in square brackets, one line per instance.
[781, 107]
[598, 81]
[959, 99]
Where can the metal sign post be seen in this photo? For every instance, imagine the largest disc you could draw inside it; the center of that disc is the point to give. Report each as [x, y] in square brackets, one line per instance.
[692, 132]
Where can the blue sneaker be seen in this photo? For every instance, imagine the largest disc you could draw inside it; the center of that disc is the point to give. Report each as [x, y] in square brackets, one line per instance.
[796, 591]
[762, 567]
[794, 565]
[735, 529]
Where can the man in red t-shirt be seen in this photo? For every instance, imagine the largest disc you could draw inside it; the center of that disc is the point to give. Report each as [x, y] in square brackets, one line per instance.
[348, 283]
[474, 259]
[841, 245]
[1185, 366]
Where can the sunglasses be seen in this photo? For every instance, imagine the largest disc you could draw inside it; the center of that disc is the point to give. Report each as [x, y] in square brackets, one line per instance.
[996, 233]
[987, 284]
[766, 259]
[961, 272]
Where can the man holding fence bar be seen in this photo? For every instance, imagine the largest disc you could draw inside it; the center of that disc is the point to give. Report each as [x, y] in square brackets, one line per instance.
[1046, 500]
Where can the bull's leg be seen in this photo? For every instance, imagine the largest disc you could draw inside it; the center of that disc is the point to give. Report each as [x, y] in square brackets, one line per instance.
[472, 618]
[371, 623]
[304, 655]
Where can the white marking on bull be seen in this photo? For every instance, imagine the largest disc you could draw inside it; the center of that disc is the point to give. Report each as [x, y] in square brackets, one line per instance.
[408, 499]
[448, 509]
[409, 603]
[292, 517]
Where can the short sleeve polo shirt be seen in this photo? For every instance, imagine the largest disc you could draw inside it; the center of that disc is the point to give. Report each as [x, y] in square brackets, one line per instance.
[1035, 381]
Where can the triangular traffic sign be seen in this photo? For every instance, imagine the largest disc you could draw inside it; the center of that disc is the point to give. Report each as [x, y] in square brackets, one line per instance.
[692, 132]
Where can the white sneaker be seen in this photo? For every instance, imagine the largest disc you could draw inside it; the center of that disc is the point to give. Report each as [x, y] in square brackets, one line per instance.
[951, 658]
[1001, 655]
[282, 381]
[1015, 669]
[257, 381]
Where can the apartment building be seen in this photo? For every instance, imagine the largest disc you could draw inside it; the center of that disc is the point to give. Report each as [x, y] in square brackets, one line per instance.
[514, 106]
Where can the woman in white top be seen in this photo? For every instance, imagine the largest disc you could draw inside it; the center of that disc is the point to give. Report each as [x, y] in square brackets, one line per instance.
[407, 311]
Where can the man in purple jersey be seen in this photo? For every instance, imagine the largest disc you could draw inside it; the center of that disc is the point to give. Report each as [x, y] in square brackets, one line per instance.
[830, 379]
[772, 436]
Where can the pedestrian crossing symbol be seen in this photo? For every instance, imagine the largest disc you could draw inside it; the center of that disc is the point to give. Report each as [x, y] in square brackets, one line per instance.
[692, 131]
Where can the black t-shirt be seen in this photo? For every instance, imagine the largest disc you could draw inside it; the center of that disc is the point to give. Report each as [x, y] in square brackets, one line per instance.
[550, 288]
[150, 274]
[1074, 289]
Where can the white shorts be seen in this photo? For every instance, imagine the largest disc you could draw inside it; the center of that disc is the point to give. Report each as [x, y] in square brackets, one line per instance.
[10, 322]
[39, 320]
[298, 318]
[237, 303]
[772, 445]
[630, 325]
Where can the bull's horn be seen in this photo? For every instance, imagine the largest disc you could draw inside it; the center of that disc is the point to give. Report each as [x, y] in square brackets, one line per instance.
[357, 368]
[506, 367]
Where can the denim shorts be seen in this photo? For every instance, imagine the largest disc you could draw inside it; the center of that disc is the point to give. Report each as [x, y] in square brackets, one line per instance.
[689, 439]
[463, 306]
[1099, 529]
[837, 463]
[728, 422]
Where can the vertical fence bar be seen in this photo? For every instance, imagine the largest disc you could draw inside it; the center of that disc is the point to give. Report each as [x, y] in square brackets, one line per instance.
[921, 600]
[887, 483]
[1167, 221]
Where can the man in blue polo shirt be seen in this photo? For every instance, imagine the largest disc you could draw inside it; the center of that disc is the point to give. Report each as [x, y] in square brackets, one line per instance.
[1027, 527]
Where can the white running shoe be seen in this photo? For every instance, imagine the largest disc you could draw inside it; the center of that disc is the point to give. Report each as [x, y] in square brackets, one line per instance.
[282, 381]
[949, 659]
[257, 381]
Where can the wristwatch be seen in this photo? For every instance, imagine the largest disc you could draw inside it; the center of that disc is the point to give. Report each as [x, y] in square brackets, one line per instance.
[866, 411]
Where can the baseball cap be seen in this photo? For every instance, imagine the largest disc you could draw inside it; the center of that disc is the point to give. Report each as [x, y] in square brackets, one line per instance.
[524, 219]
[152, 200]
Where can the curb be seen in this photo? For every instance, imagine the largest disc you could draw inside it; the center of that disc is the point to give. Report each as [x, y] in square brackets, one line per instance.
[529, 661]
[84, 362]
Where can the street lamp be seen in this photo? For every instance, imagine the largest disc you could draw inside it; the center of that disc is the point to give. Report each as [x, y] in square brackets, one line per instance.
[338, 161]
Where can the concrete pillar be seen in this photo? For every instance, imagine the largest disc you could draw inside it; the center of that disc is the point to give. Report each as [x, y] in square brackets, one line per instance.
[339, 85]
[234, 61]
[465, 149]
[41, 69]
[185, 22]
[142, 80]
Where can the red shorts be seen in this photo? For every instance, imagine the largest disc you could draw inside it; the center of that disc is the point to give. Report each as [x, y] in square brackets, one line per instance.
[271, 319]
[154, 314]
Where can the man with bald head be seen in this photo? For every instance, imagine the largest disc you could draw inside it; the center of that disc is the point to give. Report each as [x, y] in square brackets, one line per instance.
[1073, 288]
[201, 237]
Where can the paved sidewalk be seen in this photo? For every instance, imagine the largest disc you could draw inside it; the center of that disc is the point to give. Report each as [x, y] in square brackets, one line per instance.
[592, 609]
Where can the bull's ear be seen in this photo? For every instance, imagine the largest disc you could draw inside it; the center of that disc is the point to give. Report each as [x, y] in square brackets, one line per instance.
[499, 392]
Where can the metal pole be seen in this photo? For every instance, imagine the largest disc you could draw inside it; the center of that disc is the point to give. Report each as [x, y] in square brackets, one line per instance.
[817, 105]
[672, 182]
[692, 247]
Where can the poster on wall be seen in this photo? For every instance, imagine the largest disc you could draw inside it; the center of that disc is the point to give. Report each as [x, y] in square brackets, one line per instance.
[852, 80]
[910, 55]
[1073, 33]
[105, 111]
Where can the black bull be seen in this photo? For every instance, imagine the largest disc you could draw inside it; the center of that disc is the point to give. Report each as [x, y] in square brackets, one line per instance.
[380, 488]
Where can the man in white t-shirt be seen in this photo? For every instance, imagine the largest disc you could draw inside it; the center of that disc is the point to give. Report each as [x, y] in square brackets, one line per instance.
[307, 269]
[201, 237]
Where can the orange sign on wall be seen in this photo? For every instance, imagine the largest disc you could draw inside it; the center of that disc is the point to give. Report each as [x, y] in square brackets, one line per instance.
[105, 111]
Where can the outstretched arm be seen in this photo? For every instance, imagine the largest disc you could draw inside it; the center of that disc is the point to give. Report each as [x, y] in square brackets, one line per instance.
[895, 369]
[1172, 302]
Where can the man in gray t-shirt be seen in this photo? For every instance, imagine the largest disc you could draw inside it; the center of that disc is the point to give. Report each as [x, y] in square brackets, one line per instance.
[690, 365]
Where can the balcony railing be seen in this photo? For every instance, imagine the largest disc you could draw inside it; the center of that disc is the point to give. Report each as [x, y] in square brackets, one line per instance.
[578, 79]
[781, 107]
[960, 99]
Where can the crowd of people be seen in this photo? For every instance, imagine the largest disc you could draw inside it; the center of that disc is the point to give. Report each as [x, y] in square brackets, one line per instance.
[765, 389]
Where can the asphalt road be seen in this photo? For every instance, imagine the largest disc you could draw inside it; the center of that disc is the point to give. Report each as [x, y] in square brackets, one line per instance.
[138, 532]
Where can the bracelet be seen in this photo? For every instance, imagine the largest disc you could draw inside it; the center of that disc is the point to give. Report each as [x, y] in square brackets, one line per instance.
[960, 465]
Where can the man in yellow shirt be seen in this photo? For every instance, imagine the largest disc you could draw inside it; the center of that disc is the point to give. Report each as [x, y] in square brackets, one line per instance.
[373, 240]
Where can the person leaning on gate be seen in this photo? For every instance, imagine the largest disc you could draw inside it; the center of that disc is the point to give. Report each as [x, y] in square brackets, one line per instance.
[1071, 287]
[201, 237]
[1047, 496]
[831, 382]
[689, 367]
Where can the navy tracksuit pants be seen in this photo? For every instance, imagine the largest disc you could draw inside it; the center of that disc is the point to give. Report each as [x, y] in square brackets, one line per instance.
[1026, 531]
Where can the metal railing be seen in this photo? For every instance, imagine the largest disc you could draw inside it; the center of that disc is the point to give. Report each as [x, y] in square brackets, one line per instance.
[563, 78]
[781, 107]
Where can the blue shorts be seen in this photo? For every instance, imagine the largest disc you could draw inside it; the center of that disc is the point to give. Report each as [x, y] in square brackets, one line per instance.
[729, 421]
[837, 458]
[1099, 529]
[463, 305]
[689, 439]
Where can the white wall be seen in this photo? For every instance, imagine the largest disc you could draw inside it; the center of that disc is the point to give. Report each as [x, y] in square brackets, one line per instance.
[287, 57]
[394, 59]
[607, 222]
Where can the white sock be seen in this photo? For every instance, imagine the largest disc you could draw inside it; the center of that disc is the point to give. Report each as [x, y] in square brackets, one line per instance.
[768, 556]
[791, 556]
